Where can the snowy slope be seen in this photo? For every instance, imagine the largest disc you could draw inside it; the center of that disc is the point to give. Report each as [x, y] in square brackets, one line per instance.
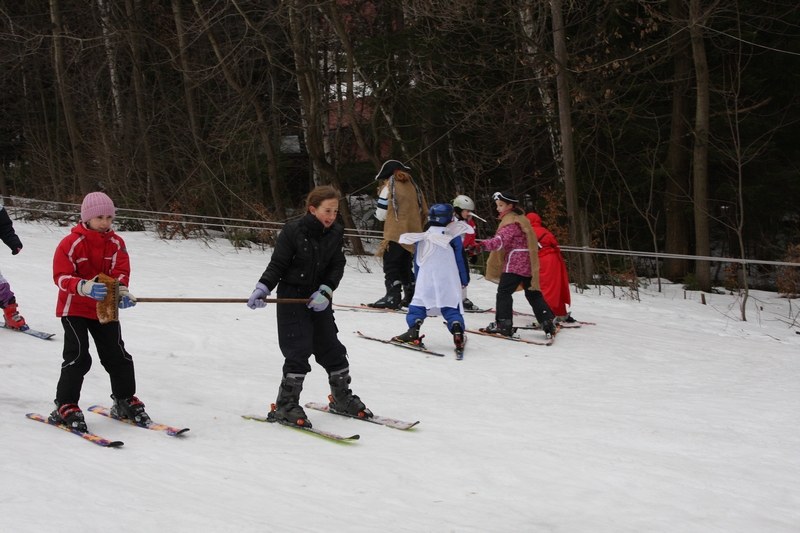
[668, 415]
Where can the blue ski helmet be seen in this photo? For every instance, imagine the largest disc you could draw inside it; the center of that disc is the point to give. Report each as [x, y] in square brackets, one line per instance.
[440, 214]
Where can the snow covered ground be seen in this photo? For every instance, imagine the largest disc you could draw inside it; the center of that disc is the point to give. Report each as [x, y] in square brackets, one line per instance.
[668, 415]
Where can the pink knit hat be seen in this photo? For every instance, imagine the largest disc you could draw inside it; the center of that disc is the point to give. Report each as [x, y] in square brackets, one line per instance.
[96, 204]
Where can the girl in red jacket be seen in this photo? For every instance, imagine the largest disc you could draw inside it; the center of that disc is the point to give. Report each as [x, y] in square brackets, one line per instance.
[90, 249]
[552, 269]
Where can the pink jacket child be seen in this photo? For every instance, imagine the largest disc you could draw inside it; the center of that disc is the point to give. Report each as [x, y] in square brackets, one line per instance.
[514, 264]
[513, 240]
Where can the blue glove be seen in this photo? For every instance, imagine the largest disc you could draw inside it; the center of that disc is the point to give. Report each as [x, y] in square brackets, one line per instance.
[92, 289]
[255, 301]
[126, 299]
[320, 299]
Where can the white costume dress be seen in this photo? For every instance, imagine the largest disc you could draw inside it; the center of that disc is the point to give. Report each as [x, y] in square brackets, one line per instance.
[438, 280]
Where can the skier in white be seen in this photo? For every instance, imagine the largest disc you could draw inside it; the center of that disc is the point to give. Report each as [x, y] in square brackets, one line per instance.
[441, 275]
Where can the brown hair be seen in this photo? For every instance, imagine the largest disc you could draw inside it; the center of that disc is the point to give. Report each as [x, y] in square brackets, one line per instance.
[320, 194]
[402, 175]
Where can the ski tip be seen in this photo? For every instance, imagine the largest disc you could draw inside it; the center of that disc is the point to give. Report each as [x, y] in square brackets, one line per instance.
[260, 418]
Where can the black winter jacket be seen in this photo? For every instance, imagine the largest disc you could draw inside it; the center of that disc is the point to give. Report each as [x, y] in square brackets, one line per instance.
[7, 233]
[307, 254]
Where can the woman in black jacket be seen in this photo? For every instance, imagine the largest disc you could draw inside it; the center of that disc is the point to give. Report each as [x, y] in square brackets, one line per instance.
[308, 262]
[8, 302]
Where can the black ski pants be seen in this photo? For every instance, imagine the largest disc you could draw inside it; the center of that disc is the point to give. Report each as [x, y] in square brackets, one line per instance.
[77, 361]
[303, 332]
[398, 265]
[504, 305]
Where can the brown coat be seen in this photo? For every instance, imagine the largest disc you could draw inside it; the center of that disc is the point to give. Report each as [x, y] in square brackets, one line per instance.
[410, 216]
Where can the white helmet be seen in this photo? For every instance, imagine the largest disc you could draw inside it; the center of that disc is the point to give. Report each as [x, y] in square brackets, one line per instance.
[464, 202]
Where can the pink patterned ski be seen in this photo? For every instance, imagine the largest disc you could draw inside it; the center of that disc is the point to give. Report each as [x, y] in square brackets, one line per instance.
[91, 437]
[171, 431]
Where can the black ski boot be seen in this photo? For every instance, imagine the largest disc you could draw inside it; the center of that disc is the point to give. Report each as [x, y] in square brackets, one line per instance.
[286, 408]
[342, 398]
[408, 294]
[549, 328]
[412, 335]
[392, 299]
[544, 315]
[130, 409]
[70, 415]
[501, 327]
[468, 305]
[459, 339]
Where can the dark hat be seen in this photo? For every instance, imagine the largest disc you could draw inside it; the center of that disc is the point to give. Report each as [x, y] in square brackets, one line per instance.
[440, 214]
[507, 196]
[389, 167]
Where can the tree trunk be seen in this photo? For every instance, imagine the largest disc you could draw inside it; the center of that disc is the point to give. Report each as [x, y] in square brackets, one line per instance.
[75, 139]
[111, 62]
[578, 230]
[249, 96]
[274, 126]
[350, 98]
[191, 105]
[133, 8]
[548, 105]
[313, 114]
[678, 163]
[701, 126]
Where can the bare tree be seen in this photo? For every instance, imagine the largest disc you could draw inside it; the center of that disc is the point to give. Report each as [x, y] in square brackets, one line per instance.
[314, 87]
[677, 189]
[154, 190]
[579, 233]
[268, 138]
[70, 119]
[697, 18]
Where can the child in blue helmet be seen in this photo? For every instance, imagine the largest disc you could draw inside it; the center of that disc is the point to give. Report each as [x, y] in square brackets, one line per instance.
[440, 273]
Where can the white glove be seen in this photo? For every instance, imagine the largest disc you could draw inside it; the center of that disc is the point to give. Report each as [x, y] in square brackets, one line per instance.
[126, 299]
[92, 289]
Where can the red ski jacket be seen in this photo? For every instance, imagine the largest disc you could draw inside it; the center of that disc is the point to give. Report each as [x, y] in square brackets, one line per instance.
[552, 269]
[83, 254]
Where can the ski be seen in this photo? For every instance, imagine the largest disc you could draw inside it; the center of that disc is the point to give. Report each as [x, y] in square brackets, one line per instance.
[563, 325]
[171, 431]
[91, 437]
[376, 419]
[365, 307]
[414, 347]
[560, 322]
[517, 338]
[402, 310]
[319, 432]
[31, 332]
